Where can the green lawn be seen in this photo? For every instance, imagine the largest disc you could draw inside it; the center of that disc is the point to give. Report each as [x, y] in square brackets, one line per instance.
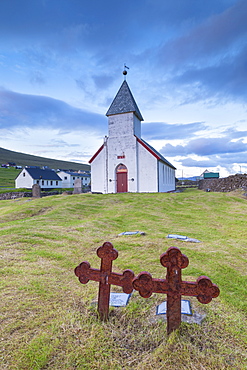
[8, 176]
[47, 317]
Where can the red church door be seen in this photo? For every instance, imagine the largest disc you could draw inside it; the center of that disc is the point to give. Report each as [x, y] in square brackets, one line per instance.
[122, 179]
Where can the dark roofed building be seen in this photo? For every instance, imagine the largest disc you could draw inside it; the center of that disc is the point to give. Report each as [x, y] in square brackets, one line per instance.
[47, 179]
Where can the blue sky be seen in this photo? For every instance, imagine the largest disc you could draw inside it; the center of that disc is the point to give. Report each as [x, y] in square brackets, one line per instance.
[61, 64]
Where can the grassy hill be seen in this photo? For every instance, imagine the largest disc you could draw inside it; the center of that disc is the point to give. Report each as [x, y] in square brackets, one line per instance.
[47, 317]
[22, 159]
[8, 176]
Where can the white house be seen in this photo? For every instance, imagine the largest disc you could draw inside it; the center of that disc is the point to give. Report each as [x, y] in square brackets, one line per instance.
[47, 179]
[125, 162]
[68, 178]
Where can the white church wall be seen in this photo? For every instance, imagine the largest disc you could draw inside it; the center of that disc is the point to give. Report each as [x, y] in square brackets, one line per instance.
[98, 173]
[166, 178]
[120, 125]
[148, 171]
[137, 127]
[121, 150]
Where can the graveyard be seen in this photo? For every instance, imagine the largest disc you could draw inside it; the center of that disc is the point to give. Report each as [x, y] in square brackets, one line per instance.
[49, 320]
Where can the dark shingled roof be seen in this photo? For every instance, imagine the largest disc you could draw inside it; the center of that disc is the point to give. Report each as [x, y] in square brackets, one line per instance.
[124, 102]
[38, 173]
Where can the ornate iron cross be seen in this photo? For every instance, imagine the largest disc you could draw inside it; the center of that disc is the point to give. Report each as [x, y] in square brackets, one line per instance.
[174, 287]
[105, 277]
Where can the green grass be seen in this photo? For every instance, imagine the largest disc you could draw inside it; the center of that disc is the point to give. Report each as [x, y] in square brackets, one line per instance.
[47, 319]
[8, 176]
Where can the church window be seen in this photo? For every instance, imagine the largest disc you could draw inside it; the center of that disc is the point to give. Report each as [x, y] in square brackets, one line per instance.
[121, 168]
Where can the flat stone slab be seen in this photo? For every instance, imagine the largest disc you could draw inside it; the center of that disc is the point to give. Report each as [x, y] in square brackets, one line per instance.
[187, 315]
[196, 318]
[183, 238]
[132, 233]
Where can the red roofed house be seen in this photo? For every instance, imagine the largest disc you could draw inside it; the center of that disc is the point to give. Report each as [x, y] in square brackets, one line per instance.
[125, 162]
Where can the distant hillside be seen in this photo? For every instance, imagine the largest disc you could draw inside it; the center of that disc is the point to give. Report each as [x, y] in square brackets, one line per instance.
[21, 159]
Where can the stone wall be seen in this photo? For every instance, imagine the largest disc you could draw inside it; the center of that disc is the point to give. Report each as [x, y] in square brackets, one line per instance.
[22, 194]
[14, 195]
[230, 183]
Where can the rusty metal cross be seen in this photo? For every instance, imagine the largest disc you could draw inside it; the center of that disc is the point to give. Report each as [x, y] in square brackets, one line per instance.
[174, 287]
[105, 277]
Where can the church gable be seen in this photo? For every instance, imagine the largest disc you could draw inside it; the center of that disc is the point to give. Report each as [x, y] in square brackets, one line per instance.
[155, 153]
[96, 154]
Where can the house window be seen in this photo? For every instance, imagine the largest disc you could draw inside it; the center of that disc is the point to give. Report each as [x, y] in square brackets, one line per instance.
[47, 182]
[24, 174]
[37, 181]
[73, 178]
[43, 182]
[65, 177]
[51, 183]
[56, 182]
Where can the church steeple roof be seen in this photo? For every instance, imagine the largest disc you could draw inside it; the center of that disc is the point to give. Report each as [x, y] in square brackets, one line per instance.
[124, 102]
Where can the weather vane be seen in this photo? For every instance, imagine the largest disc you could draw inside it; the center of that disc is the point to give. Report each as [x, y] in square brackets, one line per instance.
[125, 71]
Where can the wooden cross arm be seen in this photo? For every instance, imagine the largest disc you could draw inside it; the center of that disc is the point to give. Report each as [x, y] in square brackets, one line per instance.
[203, 289]
[124, 280]
[146, 285]
[85, 273]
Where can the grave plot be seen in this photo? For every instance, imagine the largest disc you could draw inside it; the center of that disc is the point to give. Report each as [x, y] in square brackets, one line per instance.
[173, 285]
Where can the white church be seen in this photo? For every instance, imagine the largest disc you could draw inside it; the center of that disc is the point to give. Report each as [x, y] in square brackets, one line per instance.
[125, 162]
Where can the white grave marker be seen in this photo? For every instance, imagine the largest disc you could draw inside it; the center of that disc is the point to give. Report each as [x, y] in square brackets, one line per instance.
[185, 308]
[119, 299]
